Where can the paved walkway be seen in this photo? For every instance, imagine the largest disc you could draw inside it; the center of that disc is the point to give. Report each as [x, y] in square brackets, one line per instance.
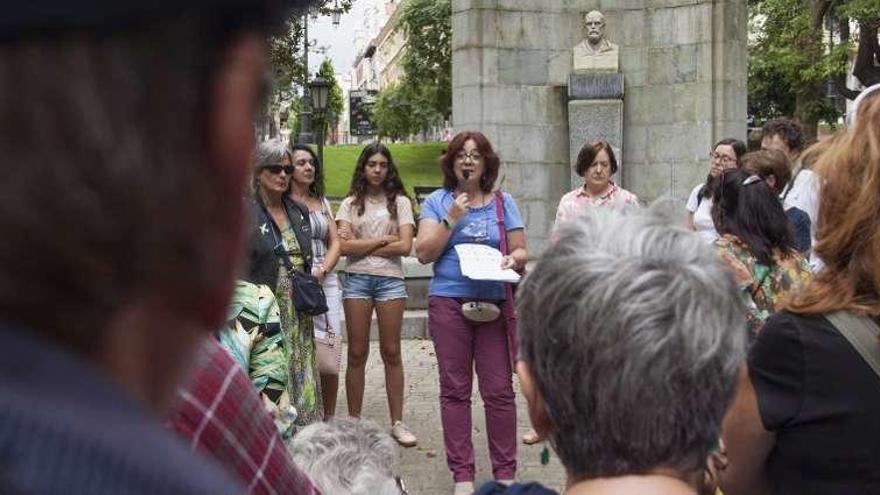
[423, 468]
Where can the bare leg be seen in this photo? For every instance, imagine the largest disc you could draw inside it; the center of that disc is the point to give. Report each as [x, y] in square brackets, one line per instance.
[329, 389]
[390, 315]
[358, 313]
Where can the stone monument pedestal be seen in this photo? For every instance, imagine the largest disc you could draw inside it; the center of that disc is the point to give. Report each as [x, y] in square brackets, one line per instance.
[595, 111]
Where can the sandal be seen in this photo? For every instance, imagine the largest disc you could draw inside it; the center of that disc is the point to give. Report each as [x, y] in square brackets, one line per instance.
[531, 437]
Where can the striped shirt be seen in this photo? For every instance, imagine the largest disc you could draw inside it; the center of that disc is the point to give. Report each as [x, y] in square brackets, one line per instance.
[320, 223]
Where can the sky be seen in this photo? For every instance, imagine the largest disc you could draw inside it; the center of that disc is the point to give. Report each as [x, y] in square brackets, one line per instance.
[337, 40]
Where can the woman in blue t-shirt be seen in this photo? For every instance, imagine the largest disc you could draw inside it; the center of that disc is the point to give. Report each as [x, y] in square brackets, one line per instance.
[464, 315]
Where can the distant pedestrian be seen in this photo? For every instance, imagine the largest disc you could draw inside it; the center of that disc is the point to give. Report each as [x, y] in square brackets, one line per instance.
[470, 320]
[280, 244]
[307, 187]
[596, 163]
[376, 229]
[726, 154]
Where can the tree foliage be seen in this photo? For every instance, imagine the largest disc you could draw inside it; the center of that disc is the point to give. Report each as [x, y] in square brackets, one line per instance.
[400, 112]
[427, 60]
[335, 103]
[286, 61]
[795, 61]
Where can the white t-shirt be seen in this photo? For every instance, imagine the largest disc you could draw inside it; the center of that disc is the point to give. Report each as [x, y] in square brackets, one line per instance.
[375, 223]
[804, 194]
[702, 211]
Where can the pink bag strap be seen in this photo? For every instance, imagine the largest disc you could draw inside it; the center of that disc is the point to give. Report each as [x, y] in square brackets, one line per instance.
[499, 215]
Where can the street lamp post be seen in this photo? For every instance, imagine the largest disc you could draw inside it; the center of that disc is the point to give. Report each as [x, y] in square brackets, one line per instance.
[305, 112]
[320, 92]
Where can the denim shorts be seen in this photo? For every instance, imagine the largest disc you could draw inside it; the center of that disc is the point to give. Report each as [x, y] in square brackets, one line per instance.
[375, 287]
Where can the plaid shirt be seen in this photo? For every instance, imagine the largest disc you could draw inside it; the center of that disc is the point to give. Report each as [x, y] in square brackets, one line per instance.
[66, 428]
[220, 413]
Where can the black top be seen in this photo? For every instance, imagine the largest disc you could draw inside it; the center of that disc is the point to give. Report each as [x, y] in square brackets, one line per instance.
[263, 263]
[823, 402]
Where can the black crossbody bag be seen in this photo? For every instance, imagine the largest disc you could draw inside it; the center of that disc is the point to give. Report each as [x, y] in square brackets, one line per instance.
[307, 292]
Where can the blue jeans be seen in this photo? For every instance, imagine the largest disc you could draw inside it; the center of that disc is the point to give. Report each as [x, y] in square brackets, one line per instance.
[375, 287]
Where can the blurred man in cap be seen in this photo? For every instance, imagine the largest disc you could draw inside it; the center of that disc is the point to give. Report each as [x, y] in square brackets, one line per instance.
[125, 132]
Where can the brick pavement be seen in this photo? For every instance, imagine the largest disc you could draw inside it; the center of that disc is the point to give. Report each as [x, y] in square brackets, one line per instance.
[423, 468]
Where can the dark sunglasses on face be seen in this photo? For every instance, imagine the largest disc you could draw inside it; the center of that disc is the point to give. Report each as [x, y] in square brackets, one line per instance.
[277, 169]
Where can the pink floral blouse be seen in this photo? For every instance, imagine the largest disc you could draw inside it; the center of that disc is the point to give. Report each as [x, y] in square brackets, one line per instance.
[576, 202]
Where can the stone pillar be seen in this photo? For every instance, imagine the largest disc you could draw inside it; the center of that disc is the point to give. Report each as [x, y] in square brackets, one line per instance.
[684, 63]
[509, 75]
[595, 111]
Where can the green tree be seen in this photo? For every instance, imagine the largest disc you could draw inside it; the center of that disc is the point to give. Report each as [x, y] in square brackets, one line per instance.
[797, 48]
[427, 59]
[335, 103]
[399, 112]
[286, 63]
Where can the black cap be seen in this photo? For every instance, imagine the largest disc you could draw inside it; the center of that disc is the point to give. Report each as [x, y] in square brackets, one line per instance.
[25, 17]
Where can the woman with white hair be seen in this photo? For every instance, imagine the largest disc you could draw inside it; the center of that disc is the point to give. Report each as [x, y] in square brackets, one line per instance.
[348, 457]
[631, 381]
[280, 244]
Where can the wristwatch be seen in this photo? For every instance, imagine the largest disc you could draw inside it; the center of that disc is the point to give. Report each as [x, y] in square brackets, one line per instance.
[446, 223]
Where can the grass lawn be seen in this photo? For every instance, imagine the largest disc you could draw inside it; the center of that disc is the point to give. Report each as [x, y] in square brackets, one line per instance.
[417, 163]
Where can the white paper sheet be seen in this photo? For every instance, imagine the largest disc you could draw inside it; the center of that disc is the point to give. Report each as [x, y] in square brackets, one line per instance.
[482, 262]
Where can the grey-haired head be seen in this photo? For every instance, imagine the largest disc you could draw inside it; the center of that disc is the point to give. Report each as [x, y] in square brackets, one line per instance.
[631, 335]
[347, 457]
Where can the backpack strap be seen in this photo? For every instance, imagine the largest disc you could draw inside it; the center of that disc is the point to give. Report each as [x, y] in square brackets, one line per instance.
[862, 333]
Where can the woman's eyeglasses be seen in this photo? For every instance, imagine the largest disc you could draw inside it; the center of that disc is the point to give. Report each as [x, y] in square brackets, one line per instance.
[473, 156]
[277, 169]
[722, 158]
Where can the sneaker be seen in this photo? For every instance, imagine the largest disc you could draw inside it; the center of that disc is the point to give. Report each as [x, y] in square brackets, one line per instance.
[402, 434]
[463, 488]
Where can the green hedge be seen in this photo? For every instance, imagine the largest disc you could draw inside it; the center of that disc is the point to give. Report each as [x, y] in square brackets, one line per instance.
[417, 162]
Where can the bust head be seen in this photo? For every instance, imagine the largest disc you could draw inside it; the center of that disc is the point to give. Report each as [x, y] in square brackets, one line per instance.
[595, 24]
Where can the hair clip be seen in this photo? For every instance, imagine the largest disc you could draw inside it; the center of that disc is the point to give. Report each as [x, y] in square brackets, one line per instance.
[752, 179]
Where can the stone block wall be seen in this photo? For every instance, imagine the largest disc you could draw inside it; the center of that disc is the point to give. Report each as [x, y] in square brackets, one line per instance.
[684, 63]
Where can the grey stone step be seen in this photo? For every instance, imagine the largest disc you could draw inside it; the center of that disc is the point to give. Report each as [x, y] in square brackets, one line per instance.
[415, 325]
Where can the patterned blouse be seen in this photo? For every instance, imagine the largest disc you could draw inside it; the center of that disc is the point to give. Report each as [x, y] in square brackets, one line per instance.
[766, 287]
[577, 201]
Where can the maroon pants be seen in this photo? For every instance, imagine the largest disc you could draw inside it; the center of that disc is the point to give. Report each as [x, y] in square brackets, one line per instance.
[461, 346]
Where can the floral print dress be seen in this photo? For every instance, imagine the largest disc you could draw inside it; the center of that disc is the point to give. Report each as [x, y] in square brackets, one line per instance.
[764, 288]
[304, 382]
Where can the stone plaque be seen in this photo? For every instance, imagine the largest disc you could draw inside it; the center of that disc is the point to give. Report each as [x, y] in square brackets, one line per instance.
[596, 86]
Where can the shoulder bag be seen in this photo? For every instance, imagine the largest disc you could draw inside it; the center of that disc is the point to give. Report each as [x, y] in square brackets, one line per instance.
[862, 333]
[508, 309]
[306, 292]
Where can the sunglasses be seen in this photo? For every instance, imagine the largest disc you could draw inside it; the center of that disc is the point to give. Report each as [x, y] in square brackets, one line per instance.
[277, 169]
